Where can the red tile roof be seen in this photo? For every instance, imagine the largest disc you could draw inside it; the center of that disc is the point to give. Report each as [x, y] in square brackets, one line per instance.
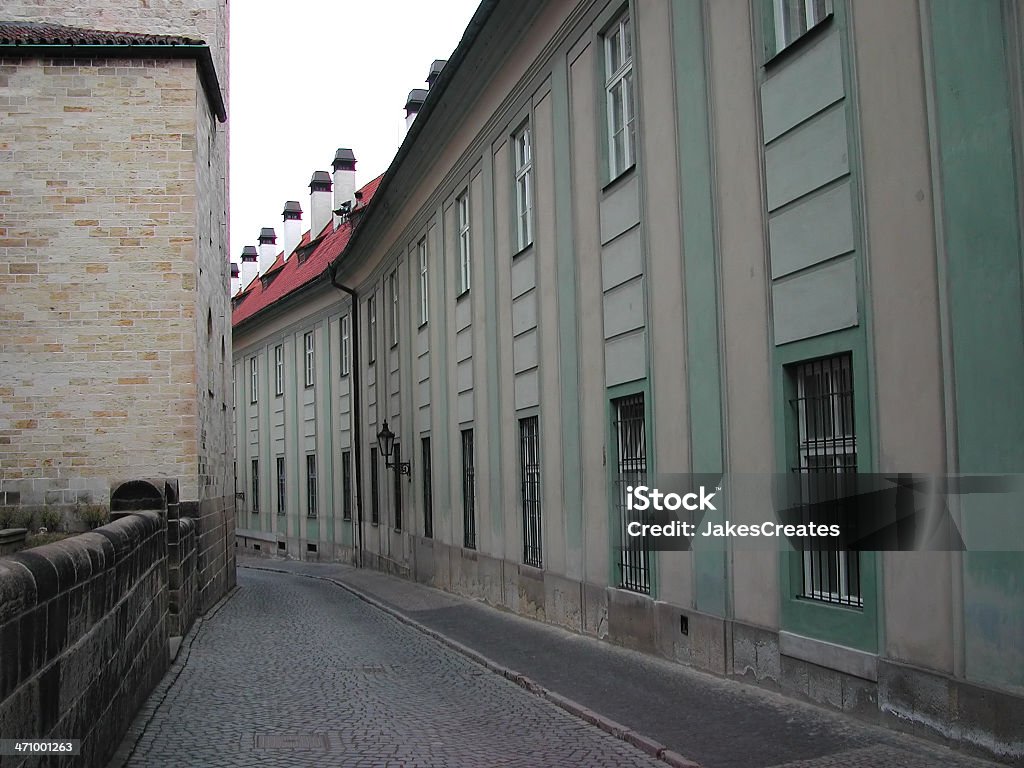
[289, 276]
[39, 33]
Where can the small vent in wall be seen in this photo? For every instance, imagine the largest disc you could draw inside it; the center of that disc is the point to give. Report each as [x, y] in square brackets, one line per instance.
[311, 547]
[256, 547]
[282, 545]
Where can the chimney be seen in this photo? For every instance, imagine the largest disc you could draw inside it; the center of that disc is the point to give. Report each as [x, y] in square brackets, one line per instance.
[319, 202]
[234, 279]
[344, 182]
[412, 105]
[292, 214]
[435, 70]
[268, 249]
[250, 268]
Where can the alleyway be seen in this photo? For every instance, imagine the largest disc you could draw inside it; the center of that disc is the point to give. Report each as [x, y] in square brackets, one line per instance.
[297, 671]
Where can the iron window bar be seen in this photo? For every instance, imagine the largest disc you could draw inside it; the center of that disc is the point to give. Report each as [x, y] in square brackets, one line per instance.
[634, 556]
[529, 463]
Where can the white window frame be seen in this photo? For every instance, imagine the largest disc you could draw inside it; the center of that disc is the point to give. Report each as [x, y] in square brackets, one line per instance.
[393, 290]
[522, 152]
[814, 12]
[618, 47]
[254, 379]
[462, 204]
[346, 344]
[371, 328]
[279, 369]
[421, 253]
[309, 347]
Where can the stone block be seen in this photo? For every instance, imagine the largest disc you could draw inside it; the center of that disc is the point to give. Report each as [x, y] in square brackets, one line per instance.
[563, 602]
[631, 620]
[595, 610]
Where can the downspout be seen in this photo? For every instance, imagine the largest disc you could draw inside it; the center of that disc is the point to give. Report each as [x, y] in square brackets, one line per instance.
[357, 431]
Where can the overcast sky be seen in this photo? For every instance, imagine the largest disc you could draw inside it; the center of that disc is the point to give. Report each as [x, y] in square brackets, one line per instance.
[315, 75]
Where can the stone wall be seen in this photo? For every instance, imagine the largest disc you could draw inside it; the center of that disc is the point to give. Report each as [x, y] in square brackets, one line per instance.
[83, 635]
[182, 575]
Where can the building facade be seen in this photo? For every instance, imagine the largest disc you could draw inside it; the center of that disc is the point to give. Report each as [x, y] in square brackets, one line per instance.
[116, 343]
[679, 237]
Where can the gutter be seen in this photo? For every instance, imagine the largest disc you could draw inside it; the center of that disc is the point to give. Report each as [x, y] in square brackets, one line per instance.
[357, 421]
[200, 53]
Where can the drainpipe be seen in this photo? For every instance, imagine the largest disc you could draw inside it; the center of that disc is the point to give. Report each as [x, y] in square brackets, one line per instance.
[357, 428]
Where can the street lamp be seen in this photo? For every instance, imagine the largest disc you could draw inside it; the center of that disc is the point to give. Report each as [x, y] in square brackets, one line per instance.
[386, 443]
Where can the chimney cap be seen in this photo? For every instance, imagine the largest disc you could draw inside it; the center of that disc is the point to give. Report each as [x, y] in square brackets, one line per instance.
[416, 98]
[249, 253]
[435, 69]
[344, 158]
[292, 210]
[234, 269]
[268, 235]
[321, 182]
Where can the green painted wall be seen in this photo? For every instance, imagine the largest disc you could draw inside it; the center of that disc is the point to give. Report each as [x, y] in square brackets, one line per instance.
[701, 281]
[980, 210]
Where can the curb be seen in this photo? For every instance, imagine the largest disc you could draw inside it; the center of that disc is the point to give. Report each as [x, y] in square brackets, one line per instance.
[643, 743]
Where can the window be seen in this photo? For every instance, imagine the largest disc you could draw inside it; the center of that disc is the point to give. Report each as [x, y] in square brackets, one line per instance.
[393, 290]
[255, 486]
[311, 485]
[253, 380]
[398, 488]
[371, 329]
[279, 369]
[468, 490]
[282, 501]
[464, 255]
[793, 18]
[307, 343]
[524, 195]
[421, 252]
[374, 490]
[346, 485]
[631, 457]
[826, 452]
[428, 492]
[346, 344]
[618, 67]
[529, 466]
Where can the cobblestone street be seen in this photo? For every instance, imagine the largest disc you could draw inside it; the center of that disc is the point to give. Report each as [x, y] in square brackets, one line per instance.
[296, 672]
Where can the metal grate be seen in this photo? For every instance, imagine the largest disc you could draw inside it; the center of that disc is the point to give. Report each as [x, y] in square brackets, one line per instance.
[255, 486]
[631, 446]
[468, 490]
[346, 485]
[374, 489]
[428, 500]
[282, 497]
[826, 458]
[529, 463]
[398, 487]
[311, 497]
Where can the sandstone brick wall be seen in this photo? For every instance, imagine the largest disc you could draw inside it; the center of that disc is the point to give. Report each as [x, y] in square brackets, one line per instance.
[83, 635]
[98, 201]
[182, 575]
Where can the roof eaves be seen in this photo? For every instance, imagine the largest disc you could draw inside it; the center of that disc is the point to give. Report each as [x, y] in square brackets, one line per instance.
[201, 54]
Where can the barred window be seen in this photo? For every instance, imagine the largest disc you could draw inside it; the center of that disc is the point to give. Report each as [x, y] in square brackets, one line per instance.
[529, 469]
[255, 486]
[393, 290]
[282, 499]
[371, 329]
[346, 485]
[397, 487]
[253, 379]
[428, 494]
[311, 485]
[826, 457]
[374, 489]
[468, 490]
[631, 459]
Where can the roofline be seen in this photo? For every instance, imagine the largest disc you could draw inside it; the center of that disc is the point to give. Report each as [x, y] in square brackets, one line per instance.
[434, 95]
[281, 305]
[201, 54]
